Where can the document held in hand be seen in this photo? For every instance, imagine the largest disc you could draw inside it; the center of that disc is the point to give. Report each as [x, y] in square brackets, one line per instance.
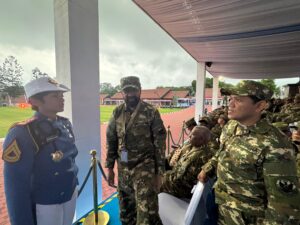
[197, 193]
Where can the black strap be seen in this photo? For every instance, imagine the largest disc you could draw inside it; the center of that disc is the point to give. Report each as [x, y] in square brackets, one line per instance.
[43, 132]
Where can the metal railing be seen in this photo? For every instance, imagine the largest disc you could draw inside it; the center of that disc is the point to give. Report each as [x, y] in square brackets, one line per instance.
[95, 162]
[93, 168]
[181, 139]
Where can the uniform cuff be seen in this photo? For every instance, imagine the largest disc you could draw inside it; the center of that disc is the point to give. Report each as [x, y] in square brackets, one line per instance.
[208, 169]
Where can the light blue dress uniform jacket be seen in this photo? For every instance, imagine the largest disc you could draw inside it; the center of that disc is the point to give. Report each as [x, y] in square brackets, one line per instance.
[36, 178]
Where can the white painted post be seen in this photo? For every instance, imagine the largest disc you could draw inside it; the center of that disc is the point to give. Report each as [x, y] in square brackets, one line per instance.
[77, 66]
[200, 90]
[215, 93]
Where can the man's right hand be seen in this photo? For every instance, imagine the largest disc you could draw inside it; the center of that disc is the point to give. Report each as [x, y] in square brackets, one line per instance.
[111, 177]
[202, 177]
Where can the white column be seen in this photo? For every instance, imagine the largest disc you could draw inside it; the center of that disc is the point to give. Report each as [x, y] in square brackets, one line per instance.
[200, 90]
[77, 66]
[215, 93]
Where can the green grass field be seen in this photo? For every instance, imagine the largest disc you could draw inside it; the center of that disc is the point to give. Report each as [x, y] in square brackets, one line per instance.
[10, 115]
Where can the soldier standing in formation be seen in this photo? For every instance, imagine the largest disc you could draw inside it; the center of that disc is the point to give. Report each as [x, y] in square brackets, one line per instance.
[255, 165]
[136, 139]
[40, 174]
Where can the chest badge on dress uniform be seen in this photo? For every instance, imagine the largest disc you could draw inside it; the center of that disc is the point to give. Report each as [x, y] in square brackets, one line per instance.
[12, 153]
[57, 156]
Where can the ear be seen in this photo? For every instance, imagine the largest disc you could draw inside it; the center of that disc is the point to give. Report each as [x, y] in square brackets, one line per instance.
[261, 106]
[34, 102]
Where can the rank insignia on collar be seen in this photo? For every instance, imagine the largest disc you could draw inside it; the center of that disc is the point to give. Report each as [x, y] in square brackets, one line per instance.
[12, 153]
[57, 156]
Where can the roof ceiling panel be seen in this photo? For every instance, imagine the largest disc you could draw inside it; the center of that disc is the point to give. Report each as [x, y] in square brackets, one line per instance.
[243, 39]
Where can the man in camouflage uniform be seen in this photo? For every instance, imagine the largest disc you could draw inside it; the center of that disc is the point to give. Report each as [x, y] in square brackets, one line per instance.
[296, 141]
[214, 140]
[217, 129]
[255, 165]
[292, 114]
[190, 124]
[136, 138]
[186, 165]
[288, 103]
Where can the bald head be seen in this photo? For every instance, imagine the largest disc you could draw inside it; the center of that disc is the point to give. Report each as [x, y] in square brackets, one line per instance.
[199, 136]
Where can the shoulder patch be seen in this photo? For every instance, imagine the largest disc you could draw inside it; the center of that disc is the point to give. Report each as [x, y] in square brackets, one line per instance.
[22, 123]
[286, 186]
[12, 153]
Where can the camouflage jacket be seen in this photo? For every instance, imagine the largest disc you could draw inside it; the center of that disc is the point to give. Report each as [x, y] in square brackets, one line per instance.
[286, 108]
[175, 155]
[216, 130]
[256, 172]
[180, 180]
[142, 133]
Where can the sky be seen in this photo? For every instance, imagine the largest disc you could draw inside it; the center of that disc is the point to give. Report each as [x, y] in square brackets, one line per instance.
[130, 44]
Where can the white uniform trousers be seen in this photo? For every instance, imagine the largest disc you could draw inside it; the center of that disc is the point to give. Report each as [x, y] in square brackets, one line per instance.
[57, 214]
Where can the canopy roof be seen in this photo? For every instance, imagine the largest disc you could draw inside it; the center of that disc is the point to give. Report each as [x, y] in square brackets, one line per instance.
[243, 39]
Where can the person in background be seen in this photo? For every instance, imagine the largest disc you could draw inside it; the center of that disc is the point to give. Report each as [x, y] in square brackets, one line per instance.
[186, 164]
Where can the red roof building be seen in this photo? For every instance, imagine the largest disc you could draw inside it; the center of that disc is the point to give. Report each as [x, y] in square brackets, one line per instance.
[165, 97]
[157, 97]
[102, 98]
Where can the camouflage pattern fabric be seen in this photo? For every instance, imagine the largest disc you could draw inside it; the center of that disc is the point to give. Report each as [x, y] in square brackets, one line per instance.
[285, 108]
[180, 180]
[213, 144]
[174, 156]
[290, 115]
[250, 88]
[215, 114]
[137, 197]
[216, 130]
[257, 176]
[144, 138]
[190, 122]
[132, 82]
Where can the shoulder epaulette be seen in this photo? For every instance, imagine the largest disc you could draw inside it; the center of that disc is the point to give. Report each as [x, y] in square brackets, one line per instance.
[23, 123]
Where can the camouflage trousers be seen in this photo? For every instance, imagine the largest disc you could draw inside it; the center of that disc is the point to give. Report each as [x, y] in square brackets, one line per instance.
[229, 216]
[178, 189]
[137, 196]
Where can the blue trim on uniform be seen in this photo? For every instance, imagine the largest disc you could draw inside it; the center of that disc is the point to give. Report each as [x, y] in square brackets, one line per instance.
[250, 34]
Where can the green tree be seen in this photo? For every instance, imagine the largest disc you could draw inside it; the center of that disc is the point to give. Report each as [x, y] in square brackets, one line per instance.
[36, 73]
[270, 83]
[209, 84]
[107, 88]
[11, 78]
[225, 85]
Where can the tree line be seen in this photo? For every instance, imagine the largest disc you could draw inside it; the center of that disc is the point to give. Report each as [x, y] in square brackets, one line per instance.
[11, 85]
[11, 72]
[109, 89]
